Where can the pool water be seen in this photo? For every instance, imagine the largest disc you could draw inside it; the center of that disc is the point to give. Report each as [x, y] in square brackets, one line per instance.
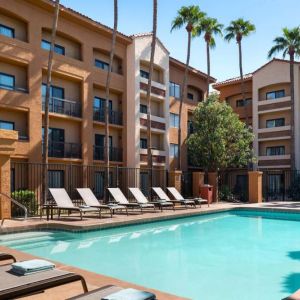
[232, 255]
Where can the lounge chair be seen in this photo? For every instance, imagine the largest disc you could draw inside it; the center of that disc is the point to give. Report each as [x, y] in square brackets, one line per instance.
[13, 286]
[106, 291]
[163, 196]
[6, 256]
[90, 199]
[64, 202]
[141, 198]
[121, 199]
[173, 191]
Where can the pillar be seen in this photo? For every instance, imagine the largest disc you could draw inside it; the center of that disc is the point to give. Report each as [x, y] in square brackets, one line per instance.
[213, 180]
[255, 186]
[175, 180]
[7, 148]
[198, 180]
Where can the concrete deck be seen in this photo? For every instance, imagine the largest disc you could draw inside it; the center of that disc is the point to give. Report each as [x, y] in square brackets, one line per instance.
[90, 223]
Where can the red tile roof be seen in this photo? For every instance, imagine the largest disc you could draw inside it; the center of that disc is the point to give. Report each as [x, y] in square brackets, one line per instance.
[232, 80]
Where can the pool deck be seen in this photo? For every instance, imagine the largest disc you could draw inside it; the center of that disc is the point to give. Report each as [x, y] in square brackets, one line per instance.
[75, 224]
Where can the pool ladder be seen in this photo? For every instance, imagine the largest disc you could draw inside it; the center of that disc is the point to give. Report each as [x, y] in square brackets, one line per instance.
[16, 203]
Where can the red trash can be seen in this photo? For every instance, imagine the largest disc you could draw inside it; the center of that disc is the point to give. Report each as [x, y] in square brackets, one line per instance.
[206, 192]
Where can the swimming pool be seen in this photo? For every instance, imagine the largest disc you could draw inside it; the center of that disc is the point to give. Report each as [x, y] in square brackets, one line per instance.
[230, 255]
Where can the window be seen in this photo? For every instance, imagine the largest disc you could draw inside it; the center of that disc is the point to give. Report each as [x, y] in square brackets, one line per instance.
[56, 178]
[46, 45]
[276, 150]
[190, 96]
[174, 120]
[190, 127]
[144, 74]
[7, 31]
[143, 108]
[275, 123]
[55, 91]
[143, 143]
[7, 81]
[174, 90]
[275, 94]
[99, 104]
[173, 150]
[101, 64]
[7, 125]
[240, 102]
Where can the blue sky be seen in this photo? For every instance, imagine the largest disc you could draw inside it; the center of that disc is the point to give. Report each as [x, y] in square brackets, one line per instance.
[135, 16]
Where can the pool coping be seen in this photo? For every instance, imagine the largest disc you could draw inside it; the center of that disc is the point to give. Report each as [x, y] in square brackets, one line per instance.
[77, 228]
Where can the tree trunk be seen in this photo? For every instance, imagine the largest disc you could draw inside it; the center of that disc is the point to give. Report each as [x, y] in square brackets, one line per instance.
[47, 99]
[183, 93]
[242, 82]
[149, 139]
[292, 111]
[208, 66]
[106, 110]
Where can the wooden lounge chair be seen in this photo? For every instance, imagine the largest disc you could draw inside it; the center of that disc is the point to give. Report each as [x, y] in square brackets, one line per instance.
[163, 196]
[121, 199]
[104, 292]
[141, 198]
[90, 199]
[173, 191]
[13, 286]
[64, 202]
[6, 256]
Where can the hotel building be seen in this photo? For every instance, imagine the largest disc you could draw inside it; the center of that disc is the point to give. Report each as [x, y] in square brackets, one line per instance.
[80, 65]
[268, 105]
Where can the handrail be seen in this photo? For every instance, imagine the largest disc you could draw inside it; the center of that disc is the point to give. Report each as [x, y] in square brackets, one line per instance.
[16, 203]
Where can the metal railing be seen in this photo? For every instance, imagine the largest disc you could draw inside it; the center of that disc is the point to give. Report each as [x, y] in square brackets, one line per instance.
[115, 154]
[64, 150]
[63, 106]
[115, 117]
[15, 202]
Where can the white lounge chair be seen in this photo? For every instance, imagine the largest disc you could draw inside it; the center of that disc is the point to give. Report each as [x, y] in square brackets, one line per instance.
[121, 199]
[163, 196]
[64, 202]
[90, 199]
[173, 191]
[142, 199]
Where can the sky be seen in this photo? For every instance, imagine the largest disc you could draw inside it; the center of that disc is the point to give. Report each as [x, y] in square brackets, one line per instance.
[269, 17]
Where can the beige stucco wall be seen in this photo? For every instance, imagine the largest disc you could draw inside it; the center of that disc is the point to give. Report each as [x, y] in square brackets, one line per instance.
[275, 115]
[263, 146]
[19, 71]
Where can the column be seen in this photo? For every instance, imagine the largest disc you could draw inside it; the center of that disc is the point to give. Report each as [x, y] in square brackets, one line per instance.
[255, 186]
[213, 180]
[175, 180]
[198, 181]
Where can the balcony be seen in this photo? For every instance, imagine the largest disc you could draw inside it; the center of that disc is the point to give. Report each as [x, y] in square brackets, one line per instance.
[64, 150]
[63, 107]
[115, 117]
[154, 89]
[158, 126]
[115, 154]
[13, 88]
[157, 159]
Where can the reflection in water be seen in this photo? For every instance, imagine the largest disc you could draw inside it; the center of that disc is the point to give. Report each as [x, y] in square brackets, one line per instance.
[60, 247]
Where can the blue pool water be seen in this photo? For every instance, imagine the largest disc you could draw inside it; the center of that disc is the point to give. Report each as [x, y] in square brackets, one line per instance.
[233, 255]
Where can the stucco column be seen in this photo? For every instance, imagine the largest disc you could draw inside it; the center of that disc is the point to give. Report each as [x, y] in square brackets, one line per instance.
[198, 181]
[175, 180]
[255, 186]
[7, 148]
[213, 180]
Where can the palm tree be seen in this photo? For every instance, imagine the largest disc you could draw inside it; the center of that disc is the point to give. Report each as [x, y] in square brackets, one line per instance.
[153, 45]
[188, 16]
[106, 110]
[210, 27]
[47, 99]
[289, 43]
[238, 29]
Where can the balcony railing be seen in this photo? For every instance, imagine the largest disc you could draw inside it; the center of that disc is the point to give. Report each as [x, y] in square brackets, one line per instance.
[13, 88]
[64, 150]
[63, 106]
[115, 117]
[115, 154]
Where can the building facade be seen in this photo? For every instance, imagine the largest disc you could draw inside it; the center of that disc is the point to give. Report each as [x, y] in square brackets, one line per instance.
[269, 106]
[80, 65]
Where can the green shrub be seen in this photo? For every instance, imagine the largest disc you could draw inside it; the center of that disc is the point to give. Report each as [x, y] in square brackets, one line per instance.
[26, 198]
[225, 193]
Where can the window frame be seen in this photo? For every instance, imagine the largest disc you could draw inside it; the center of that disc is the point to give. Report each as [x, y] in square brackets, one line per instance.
[145, 141]
[145, 106]
[276, 149]
[7, 122]
[103, 64]
[275, 125]
[7, 87]
[190, 98]
[247, 100]
[9, 28]
[144, 74]
[172, 87]
[56, 46]
[174, 120]
[172, 153]
[275, 94]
